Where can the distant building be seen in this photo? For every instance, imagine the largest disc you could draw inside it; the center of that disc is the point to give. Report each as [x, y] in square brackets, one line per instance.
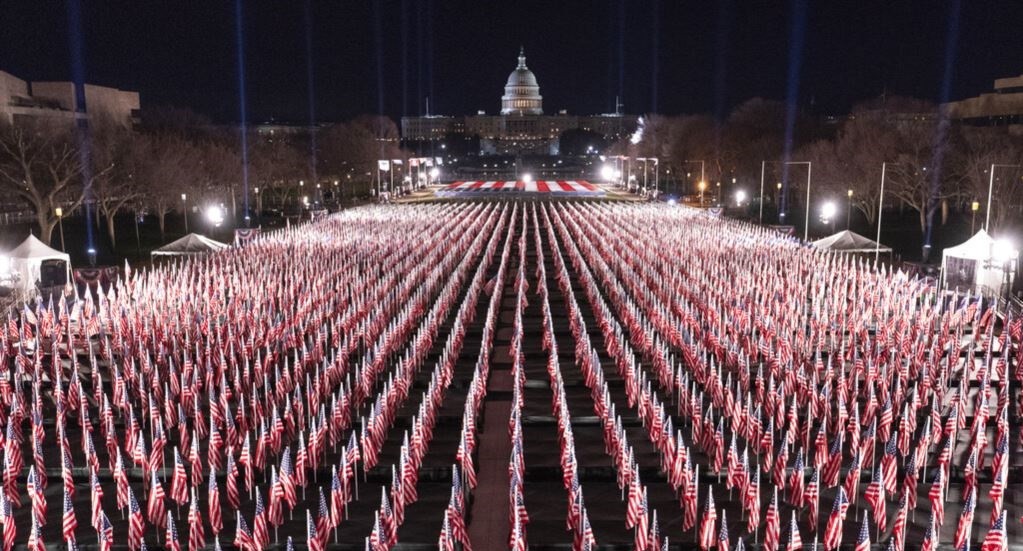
[21, 100]
[521, 128]
[1003, 107]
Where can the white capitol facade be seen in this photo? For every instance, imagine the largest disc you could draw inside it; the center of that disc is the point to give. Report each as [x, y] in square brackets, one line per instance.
[521, 127]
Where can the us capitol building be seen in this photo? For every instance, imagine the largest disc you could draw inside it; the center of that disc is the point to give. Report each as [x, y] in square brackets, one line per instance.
[521, 128]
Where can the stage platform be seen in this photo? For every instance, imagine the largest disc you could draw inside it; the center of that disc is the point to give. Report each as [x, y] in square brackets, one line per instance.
[573, 188]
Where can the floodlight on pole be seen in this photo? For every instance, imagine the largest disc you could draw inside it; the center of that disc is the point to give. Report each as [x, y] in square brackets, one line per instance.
[828, 210]
[60, 224]
[990, 192]
[607, 173]
[215, 215]
[809, 172]
[184, 210]
[740, 196]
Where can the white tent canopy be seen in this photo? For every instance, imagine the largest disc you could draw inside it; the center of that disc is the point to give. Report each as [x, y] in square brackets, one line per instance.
[970, 265]
[191, 244]
[27, 260]
[849, 242]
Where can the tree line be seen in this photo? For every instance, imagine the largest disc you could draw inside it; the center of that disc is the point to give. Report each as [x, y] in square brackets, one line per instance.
[933, 166]
[144, 168]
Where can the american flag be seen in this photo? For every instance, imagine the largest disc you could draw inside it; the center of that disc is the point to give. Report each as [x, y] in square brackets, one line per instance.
[213, 505]
[171, 542]
[35, 536]
[710, 516]
[833, 531]
[812, 498]
[196, 535]
[899, 528]
[997, 491]
[772, 533]
[260, 533]
[937, 497]
[243, 536]
[10, 528]
[312, 540]
[136, 523]
[155, 509]
[105, 534]
[796, 482]
[996, 539]
[38, 499]
[323, 523]
[723, 544]
[863, 542]
[889, 467]
[751, 501]
[965, 519]
[179, 480]
[70, 521]
[96, 500]
[795, 541]
[929, 543]
[874, 494]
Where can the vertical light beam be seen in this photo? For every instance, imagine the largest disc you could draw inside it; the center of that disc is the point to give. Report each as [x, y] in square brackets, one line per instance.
[242, 108]
[796, 36]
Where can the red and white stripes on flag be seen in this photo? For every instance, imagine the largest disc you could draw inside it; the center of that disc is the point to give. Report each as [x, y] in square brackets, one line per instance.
[521, 186]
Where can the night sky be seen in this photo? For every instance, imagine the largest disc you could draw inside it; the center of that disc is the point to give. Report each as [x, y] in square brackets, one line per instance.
[659, 55]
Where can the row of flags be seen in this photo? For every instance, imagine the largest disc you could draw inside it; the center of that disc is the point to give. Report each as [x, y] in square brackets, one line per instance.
[790, 374]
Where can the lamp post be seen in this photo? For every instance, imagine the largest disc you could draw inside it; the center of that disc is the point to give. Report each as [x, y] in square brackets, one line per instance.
[777, 199]
[828, 211]
[848, 209]
[184, 210]
[880, 212]
[60, 223]
[809, 171]
[763, 166]
[990, 190]
[702, 186]
[703, 165]
[974, 207]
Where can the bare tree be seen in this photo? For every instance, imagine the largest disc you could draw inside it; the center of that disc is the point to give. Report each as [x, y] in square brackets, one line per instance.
[164, 166]
[915, 179]
[116, 188]
[977, 150]
[45, 165]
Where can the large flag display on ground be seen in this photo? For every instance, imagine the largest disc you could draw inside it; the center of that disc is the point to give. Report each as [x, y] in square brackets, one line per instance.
[516, 371]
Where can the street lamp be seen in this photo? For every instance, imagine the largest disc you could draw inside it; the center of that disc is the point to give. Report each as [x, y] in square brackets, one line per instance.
[974, 207]
[740, 196]
[215, 215]
[527, 178]
[848, 209]
[809, 172]
[1003, 253]
[880, 212]
[702, 186]
[60, 223]
[828, 211]
[990, 190]
[703, 165]
[184, 210]
[606, 173]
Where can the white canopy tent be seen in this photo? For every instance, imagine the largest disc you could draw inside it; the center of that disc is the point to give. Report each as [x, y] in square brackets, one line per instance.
[847, 241]
[27, 260]
[976, 265]
[191, 244]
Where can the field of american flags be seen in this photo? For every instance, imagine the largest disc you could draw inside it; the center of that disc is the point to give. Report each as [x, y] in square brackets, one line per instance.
[518, 374]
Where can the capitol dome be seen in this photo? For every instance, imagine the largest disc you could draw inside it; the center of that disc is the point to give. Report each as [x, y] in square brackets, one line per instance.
[522, 93]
